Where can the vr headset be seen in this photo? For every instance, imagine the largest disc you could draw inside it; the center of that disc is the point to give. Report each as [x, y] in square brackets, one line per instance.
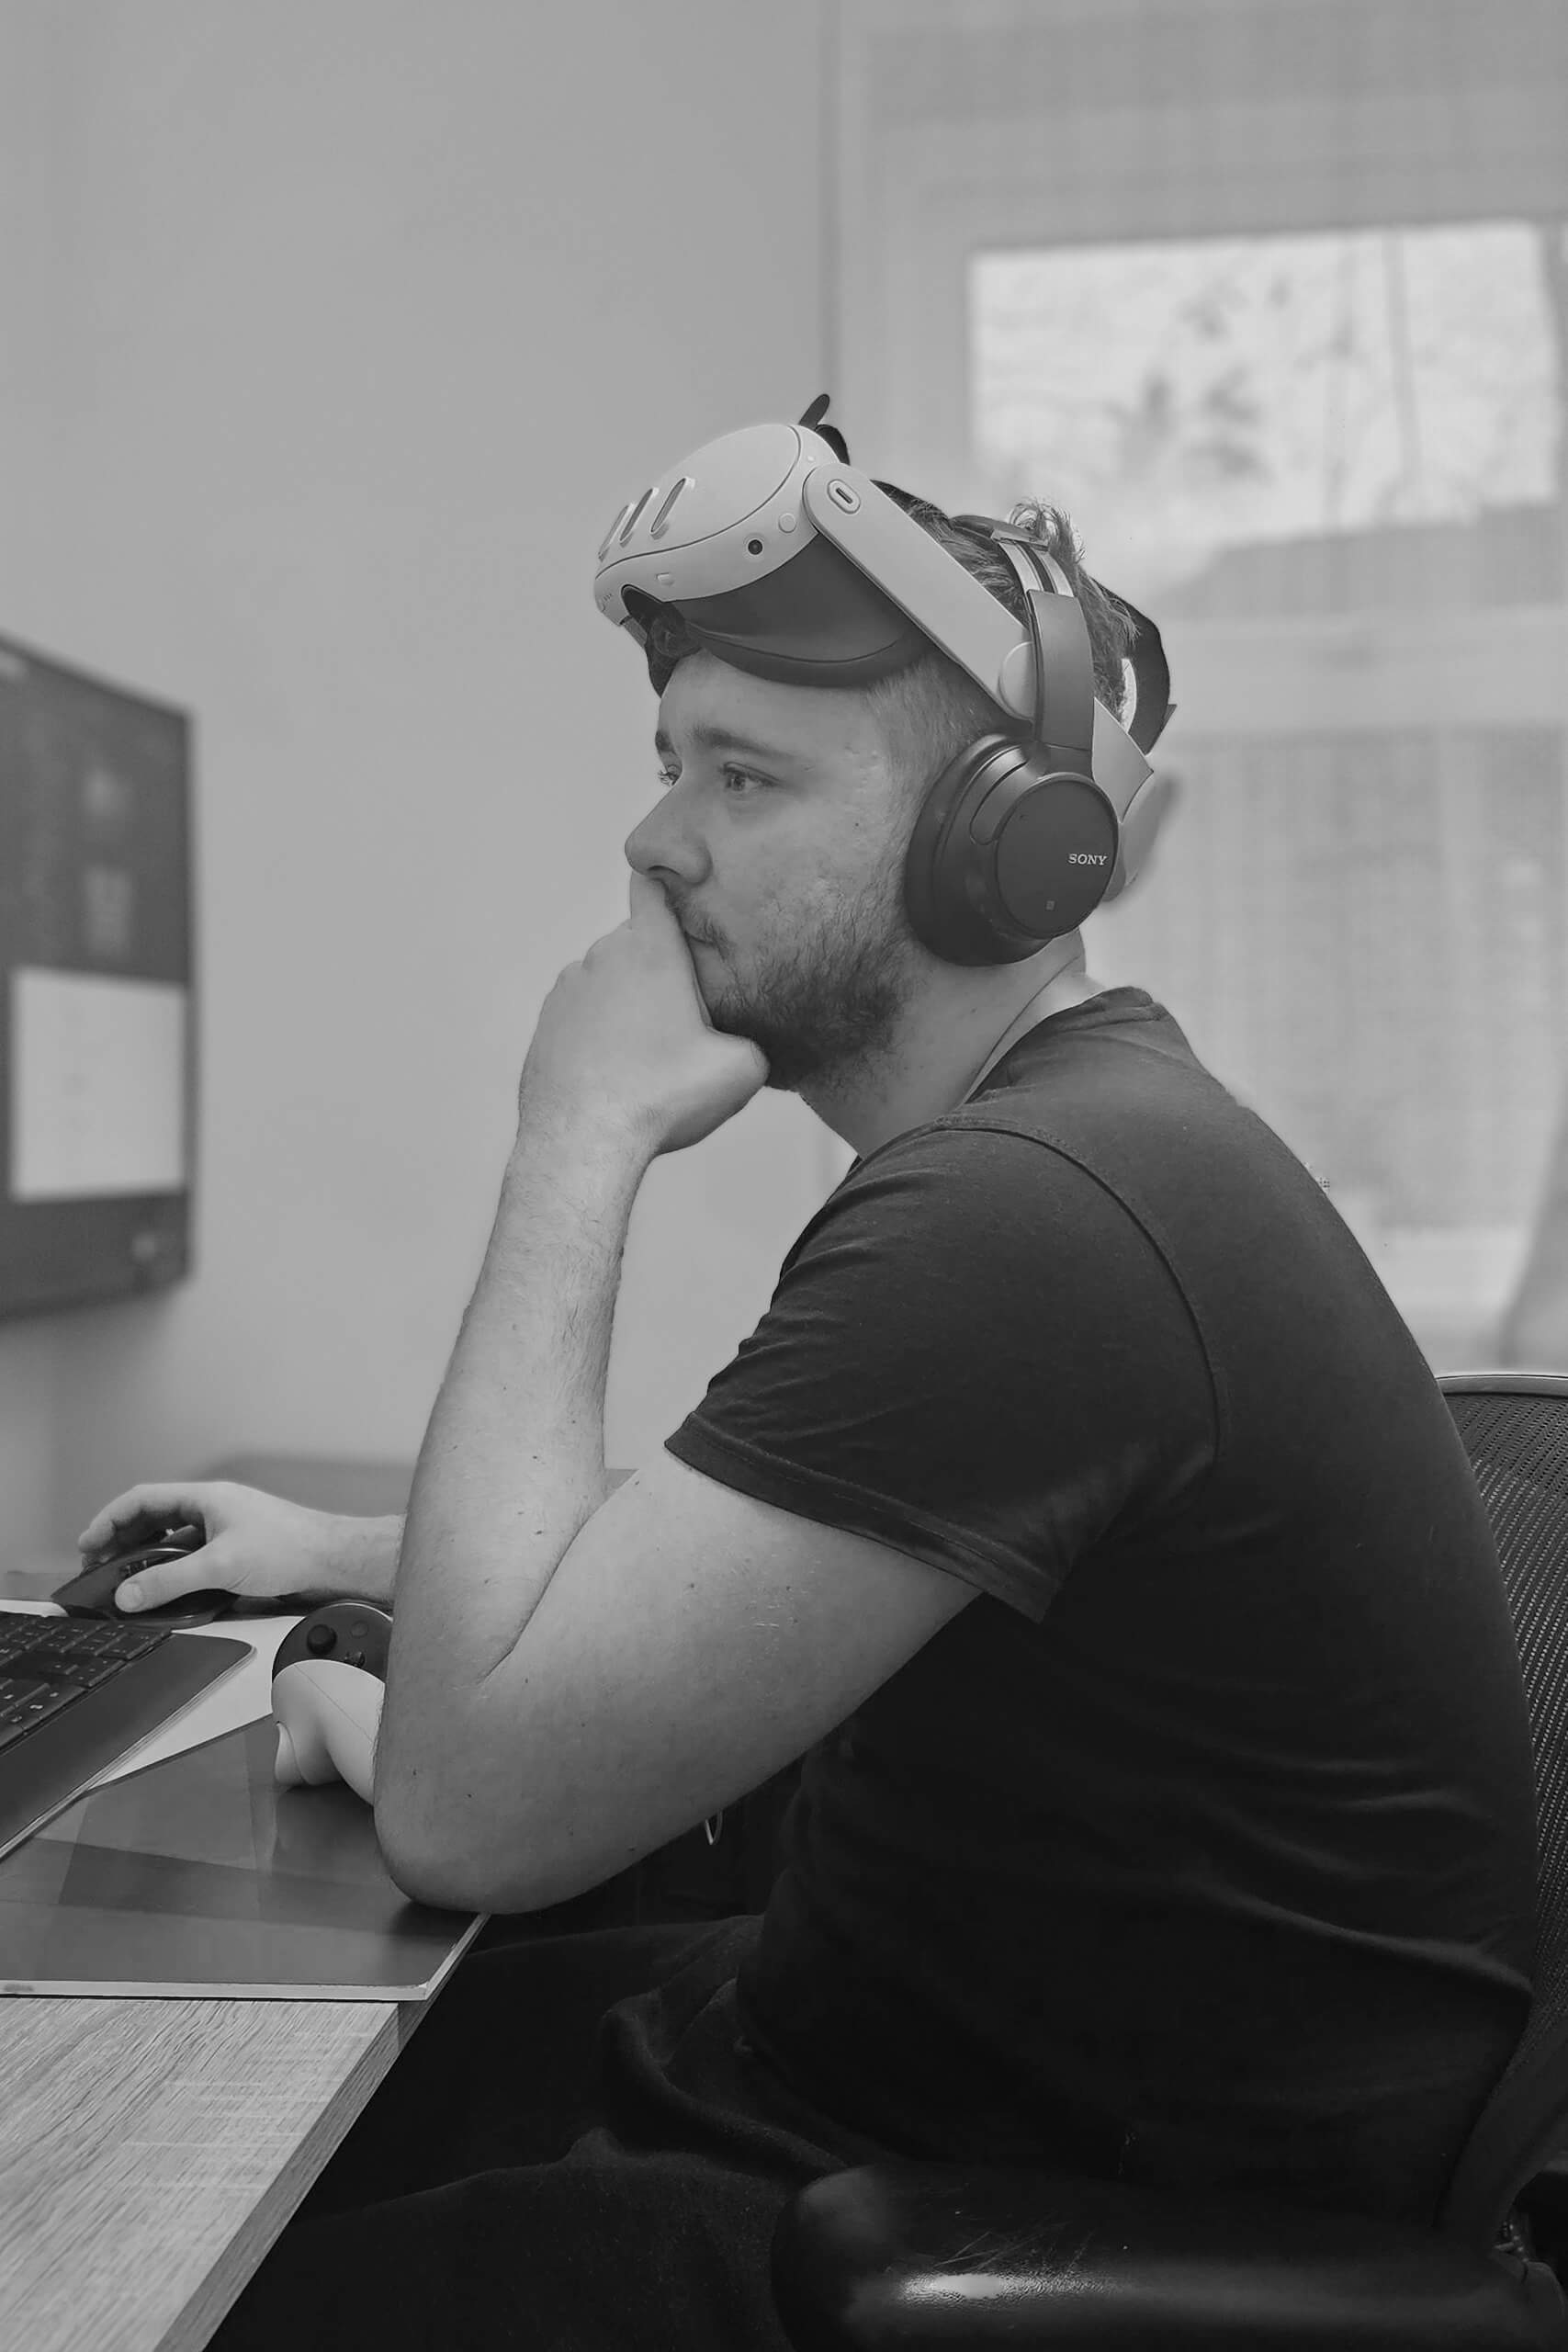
[780, 558]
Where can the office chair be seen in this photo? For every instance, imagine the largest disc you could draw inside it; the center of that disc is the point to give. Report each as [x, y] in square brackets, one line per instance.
[918, 2257]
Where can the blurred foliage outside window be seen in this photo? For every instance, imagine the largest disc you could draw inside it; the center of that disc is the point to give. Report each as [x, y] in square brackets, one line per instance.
[1272, 297]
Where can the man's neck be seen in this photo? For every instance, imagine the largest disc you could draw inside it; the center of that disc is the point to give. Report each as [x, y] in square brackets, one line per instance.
[934, 1075]
[1061, 991]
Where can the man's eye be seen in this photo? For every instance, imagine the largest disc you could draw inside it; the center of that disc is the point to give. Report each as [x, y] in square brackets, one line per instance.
[668, 776]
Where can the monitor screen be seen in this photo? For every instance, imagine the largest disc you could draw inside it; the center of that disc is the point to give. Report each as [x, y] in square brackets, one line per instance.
[96, 1009]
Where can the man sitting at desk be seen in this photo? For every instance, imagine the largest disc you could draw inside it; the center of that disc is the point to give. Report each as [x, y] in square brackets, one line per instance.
[1081, 1504]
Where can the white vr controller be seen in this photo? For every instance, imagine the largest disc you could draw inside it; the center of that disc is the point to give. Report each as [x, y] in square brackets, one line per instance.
[328, 1680]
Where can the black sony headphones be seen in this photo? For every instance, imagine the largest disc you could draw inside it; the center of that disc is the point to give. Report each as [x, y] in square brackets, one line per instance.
[1015, 845]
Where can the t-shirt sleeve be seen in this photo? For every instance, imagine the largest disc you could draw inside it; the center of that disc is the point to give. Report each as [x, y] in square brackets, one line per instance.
[975, 1354]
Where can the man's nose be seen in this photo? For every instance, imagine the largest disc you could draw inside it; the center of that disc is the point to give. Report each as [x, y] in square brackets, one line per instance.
[658, 850]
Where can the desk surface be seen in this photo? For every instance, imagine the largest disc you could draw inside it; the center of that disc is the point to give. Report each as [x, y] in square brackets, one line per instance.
[151, 2150]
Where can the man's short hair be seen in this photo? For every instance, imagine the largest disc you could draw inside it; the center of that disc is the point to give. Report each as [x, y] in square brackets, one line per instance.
[931, 709]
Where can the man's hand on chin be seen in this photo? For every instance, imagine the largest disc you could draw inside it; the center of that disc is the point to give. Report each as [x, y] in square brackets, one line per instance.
[624, 1040]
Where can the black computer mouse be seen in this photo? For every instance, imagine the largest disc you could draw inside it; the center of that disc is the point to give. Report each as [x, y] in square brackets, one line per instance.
[91, 1593]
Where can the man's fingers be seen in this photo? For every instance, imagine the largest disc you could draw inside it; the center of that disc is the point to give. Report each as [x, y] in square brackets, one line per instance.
[171, 1580]
[146, 1589]
[114, 1530]
[140, 1516]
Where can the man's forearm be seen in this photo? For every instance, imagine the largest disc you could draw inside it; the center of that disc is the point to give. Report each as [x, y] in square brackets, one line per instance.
[512, 1464]
[365, 1558]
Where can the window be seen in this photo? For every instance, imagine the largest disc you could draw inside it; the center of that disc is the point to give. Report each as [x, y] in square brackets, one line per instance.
[1272, 297]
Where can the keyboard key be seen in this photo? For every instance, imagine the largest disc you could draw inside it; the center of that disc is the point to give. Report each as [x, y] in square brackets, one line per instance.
[27, 1702]
[57, 1664]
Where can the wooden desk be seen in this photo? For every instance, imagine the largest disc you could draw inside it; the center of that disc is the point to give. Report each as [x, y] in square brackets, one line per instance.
[150, 2151]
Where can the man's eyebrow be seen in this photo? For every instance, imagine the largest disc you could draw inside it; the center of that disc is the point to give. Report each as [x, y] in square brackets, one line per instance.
[723, 739]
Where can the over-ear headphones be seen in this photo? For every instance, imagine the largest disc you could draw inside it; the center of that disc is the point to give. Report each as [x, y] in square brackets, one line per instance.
[1015, 845]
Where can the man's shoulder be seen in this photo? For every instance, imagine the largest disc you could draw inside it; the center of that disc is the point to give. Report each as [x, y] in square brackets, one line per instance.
[1110, 1135]
[1101, 1088]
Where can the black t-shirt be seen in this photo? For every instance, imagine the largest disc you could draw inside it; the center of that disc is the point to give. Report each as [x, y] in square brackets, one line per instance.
[1200, 1846]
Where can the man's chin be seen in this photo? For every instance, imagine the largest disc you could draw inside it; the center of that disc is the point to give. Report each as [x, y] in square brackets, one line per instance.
[732, 1024]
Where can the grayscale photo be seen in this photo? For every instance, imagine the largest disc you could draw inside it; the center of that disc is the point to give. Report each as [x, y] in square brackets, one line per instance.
[784, 1176]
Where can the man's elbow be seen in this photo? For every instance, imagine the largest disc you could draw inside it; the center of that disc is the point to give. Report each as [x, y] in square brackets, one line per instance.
[427, 1863]
[426, 1878]
[428, 1848]
[450, 1873]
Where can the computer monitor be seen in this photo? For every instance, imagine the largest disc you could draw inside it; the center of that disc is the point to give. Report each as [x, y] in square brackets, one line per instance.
[97, 1030]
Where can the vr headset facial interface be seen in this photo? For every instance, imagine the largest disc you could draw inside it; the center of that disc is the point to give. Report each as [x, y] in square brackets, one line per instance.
[783, 560]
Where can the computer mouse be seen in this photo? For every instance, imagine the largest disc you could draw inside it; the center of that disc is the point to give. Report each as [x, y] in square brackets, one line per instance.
[91, 1593]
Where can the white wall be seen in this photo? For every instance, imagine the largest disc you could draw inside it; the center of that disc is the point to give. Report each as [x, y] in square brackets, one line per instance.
[336, 329]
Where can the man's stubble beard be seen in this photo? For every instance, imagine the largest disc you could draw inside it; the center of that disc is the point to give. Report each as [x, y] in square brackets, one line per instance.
[826, 1010]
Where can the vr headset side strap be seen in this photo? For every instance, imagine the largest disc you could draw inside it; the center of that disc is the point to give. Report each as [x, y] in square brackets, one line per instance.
[948, 604]
[906, 564]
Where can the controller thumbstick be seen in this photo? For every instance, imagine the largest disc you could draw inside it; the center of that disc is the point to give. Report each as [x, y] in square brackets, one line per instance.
[320, 1639]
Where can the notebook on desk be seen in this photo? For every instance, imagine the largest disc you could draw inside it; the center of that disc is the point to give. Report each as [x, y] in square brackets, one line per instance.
[196, 1874]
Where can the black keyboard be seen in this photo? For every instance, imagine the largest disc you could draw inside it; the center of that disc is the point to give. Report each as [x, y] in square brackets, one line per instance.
[78, 1694]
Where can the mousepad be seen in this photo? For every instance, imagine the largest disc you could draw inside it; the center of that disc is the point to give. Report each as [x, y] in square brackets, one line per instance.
[199, 1875]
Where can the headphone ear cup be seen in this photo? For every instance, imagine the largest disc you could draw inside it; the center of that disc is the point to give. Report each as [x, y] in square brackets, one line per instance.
[1007, 854]
[943, 886]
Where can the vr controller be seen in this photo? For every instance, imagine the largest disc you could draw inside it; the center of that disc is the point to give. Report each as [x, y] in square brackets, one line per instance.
[328, 1680]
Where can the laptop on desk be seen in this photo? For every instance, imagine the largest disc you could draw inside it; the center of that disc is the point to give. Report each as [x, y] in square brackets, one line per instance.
[78, 1695]
[190, 1872]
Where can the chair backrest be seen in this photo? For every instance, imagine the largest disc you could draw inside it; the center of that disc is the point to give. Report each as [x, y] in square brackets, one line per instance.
[1515, 1429]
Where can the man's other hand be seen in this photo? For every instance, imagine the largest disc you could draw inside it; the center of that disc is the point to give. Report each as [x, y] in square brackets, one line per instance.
[254, 1544]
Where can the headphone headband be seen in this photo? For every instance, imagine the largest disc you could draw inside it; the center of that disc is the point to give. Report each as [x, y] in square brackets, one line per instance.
[1063, 658]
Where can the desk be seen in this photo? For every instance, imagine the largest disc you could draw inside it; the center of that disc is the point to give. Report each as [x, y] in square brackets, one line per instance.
[151, 2150]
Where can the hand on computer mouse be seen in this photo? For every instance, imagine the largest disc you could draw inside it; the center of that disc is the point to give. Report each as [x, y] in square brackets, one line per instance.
[94, 1592]
[255, 1545]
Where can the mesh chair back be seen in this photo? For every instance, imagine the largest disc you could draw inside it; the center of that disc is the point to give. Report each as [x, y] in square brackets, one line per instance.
[1515, 1429]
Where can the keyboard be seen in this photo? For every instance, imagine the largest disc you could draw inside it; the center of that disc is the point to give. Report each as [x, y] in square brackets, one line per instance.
[78, 1694]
